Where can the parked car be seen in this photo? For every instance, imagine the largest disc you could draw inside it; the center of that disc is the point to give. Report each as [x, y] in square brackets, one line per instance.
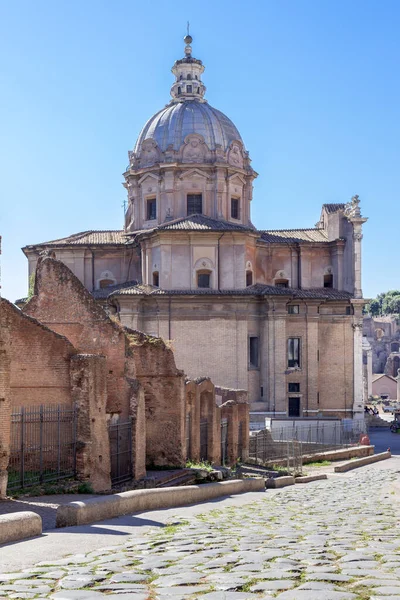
[389, 409]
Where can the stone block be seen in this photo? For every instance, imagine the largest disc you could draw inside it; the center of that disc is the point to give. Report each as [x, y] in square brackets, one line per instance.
[361, 462]
[279, 482]
[19, 526]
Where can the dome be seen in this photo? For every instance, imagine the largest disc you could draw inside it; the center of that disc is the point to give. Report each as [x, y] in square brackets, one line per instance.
[172, 124]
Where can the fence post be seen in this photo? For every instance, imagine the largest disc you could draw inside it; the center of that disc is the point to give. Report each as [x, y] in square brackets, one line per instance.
[22, 478]
[41, 408]
[59, 440]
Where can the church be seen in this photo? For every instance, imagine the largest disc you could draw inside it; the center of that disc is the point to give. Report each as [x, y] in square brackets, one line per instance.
[274, 312]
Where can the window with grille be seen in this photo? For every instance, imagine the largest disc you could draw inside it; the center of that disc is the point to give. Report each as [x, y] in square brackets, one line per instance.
[203, 279]
[293, 387]
[293, 352]
[293, 309]
[253, 351]
[194, 204]
[151, 209]
[234, 208]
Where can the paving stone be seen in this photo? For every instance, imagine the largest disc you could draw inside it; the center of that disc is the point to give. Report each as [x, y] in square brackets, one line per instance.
[316, 595]
[273, 586]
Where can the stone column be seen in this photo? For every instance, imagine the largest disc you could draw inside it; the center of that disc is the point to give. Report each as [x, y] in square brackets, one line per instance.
[138, 414]
[278, 351]
[229, 411]
[312, 366]
[337, 259]
[358, 400]
[89, 392]
[357, 237]
[367, 368]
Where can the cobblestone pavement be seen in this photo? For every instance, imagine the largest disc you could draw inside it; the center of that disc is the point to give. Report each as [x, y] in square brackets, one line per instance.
[331, 540]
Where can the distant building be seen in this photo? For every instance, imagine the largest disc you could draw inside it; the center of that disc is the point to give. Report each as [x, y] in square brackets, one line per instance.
[384, 386]
[276, 312]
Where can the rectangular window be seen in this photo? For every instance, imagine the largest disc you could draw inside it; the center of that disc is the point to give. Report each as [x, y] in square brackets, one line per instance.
[151, 209]
[234, 208]
[328, 281]
[194, 204]
[348, 310]
[189, 89]
[203, 280]
[293, 309]
[293, 352]
[294, 387]
[253, 351]
[294, 407]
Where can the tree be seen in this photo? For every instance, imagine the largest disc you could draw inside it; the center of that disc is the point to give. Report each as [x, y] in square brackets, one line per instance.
[373, 308]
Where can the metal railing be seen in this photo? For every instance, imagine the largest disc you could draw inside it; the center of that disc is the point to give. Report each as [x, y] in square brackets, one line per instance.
[42, 445]
[120, 437]
[286, 446]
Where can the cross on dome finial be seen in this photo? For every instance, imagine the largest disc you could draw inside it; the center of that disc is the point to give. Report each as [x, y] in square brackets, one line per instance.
[188, 40]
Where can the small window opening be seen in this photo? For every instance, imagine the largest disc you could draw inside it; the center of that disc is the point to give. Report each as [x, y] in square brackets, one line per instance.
[282, 283]
[253, 351]
[249, 278]
[198, 90]
[203, 279]
[156, 279]
[234, 208]
[179, 90]
[328, 281]
[104, 283]
[194, 204]
[294, 407]
[195, 77]
[151, 209]
[293, 352]
[189, 76]
[180, 78]
[189, 89]
[348, 310]
[293, 309]
[293, 387]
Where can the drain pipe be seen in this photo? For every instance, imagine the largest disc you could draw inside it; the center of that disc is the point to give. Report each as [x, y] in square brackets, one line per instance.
[218, 254]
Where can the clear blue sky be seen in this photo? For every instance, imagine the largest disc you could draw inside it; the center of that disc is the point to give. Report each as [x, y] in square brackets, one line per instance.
[312, 85]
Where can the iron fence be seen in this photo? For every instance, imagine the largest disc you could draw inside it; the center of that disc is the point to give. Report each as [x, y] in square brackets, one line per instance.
[286, 446]
[42, 445]
[203, 439]
[224, 440]
[120, 436]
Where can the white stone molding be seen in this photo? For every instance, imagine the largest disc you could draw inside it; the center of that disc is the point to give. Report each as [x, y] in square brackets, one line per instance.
[235, 155]
[204, 264]
[194, 149]
[281, 274]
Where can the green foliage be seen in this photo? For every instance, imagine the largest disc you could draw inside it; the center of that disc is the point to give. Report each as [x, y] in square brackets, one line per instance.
[206, 466]
[31, 289]
[387, 303]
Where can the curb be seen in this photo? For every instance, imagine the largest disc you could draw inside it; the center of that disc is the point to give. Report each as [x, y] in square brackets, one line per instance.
[108, 507]
[279, 482]
[19, 526]
[353, 464]
[309, 478]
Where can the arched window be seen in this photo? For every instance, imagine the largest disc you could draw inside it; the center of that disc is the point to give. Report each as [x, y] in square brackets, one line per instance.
[249, 278]
[189, 76]
[204, 278]
[103, 283]
[189, 89]
[156, 279]
[179, 90]
[282, 283]
[328, 280]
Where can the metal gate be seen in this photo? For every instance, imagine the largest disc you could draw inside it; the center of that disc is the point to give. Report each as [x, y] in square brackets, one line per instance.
[42, 445]
[224, 440]
[203, 439]
[120, 436]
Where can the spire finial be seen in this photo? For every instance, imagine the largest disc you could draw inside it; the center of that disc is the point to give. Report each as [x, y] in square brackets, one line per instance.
[188, 40]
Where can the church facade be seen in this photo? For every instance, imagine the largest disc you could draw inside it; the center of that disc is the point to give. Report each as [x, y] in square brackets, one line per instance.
[275, 312]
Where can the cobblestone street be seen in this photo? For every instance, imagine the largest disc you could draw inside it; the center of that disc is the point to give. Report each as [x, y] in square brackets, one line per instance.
[331, 540]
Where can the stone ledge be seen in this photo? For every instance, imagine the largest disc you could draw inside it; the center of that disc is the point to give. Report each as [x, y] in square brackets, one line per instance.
[19, 526]
[353, 464]
[108, 507]
[309, 478]
[279, 482]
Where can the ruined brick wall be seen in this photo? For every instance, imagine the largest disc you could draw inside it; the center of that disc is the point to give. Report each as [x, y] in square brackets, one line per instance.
[39, 360]
[63, 304]
[152, 363]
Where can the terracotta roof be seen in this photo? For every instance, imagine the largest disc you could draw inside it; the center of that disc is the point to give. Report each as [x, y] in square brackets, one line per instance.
[85, 238]
[295, 235]
[254, 290]
[377, 376]
[332, 208]
[202, 223]
[103, 293]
